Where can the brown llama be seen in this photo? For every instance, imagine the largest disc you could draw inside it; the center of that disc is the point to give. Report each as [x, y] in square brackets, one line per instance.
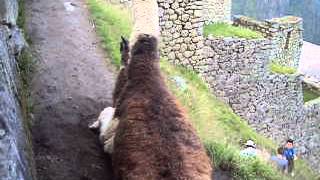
[154, 139]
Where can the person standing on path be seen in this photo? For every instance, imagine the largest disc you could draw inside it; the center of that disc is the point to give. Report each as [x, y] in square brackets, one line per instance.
[290, 154]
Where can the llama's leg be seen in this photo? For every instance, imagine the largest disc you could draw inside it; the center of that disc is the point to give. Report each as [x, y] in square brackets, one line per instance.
[108, 145]
[95, 125]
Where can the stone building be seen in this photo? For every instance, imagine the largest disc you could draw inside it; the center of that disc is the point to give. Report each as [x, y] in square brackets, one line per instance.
[285, 34]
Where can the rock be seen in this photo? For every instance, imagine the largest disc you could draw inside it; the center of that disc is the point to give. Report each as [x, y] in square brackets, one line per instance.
[171, 55]
[185, 17]
[188, 54]
[180, 82]
[173, 17]
[188, 25]
[69, 6]
[168, 24]
[183, 47]
[13, 163]
[198, 13]
[8, 11]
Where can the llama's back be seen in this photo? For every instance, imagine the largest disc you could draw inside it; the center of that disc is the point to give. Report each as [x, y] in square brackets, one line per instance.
[154, 139]
[157, 141]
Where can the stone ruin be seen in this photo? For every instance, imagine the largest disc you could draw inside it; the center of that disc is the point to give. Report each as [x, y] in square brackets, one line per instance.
[237, 70]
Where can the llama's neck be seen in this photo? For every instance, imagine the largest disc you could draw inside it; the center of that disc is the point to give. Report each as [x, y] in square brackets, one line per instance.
[144, 71]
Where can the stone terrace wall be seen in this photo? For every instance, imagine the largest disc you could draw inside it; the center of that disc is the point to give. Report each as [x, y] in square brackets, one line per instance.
[181, 23]
[311, 134]
[237, 71]
[217, 11]
[285, 34]
[13, 156]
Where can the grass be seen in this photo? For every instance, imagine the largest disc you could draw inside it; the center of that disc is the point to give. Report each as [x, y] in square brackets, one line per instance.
[111, 22]
[280, 69]
[309, 94]
[227, 30]
[218, 127]
[26, 66]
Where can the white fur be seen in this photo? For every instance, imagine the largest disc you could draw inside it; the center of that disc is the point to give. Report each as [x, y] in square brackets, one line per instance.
[105, 118]
[107, 128]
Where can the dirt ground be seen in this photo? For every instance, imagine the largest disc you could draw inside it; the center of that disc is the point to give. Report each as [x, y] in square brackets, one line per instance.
[71, 86]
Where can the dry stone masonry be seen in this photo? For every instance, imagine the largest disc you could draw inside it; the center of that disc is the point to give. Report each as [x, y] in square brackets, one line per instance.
[217, 11]
[285, 34]
[13, 145]
[181, 24]
[237, 71]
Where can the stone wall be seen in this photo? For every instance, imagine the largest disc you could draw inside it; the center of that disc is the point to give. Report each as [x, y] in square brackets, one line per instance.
[181, 25]
[13, 156]
[285, 34]
[311, 134]
[217, 11]
[237, 71]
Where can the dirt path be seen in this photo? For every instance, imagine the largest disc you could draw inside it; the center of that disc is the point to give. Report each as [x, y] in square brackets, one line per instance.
[71, 86]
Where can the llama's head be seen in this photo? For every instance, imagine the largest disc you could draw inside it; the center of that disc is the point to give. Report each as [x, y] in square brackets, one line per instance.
[145, 44]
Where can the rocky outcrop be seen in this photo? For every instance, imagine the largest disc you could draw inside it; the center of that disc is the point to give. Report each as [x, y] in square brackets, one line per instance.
[13, 144]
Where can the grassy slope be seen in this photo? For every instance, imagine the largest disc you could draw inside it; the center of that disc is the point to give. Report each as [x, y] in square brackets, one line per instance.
[219, 128]
[111, 23]
[309, 94]
[227, 30]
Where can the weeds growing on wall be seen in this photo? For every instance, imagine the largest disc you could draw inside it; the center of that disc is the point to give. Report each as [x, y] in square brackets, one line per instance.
[219, 128]
[228, 30]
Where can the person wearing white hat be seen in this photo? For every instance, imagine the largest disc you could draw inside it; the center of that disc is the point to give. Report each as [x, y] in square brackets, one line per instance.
[250, 150]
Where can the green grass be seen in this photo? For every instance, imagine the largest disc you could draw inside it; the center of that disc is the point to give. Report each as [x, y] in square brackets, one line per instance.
[218, 127]
[227, 30]
[111, 22]
[280, 69]
[26, 66]
[309, 94]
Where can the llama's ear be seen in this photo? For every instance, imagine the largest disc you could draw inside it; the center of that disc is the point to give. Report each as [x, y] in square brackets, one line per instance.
[124, 44]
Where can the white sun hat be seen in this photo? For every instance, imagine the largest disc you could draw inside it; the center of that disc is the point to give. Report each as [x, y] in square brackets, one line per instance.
[250, 143]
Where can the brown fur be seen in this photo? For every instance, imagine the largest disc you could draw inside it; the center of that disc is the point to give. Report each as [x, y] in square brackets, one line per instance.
[154, 140]
[122, 77]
